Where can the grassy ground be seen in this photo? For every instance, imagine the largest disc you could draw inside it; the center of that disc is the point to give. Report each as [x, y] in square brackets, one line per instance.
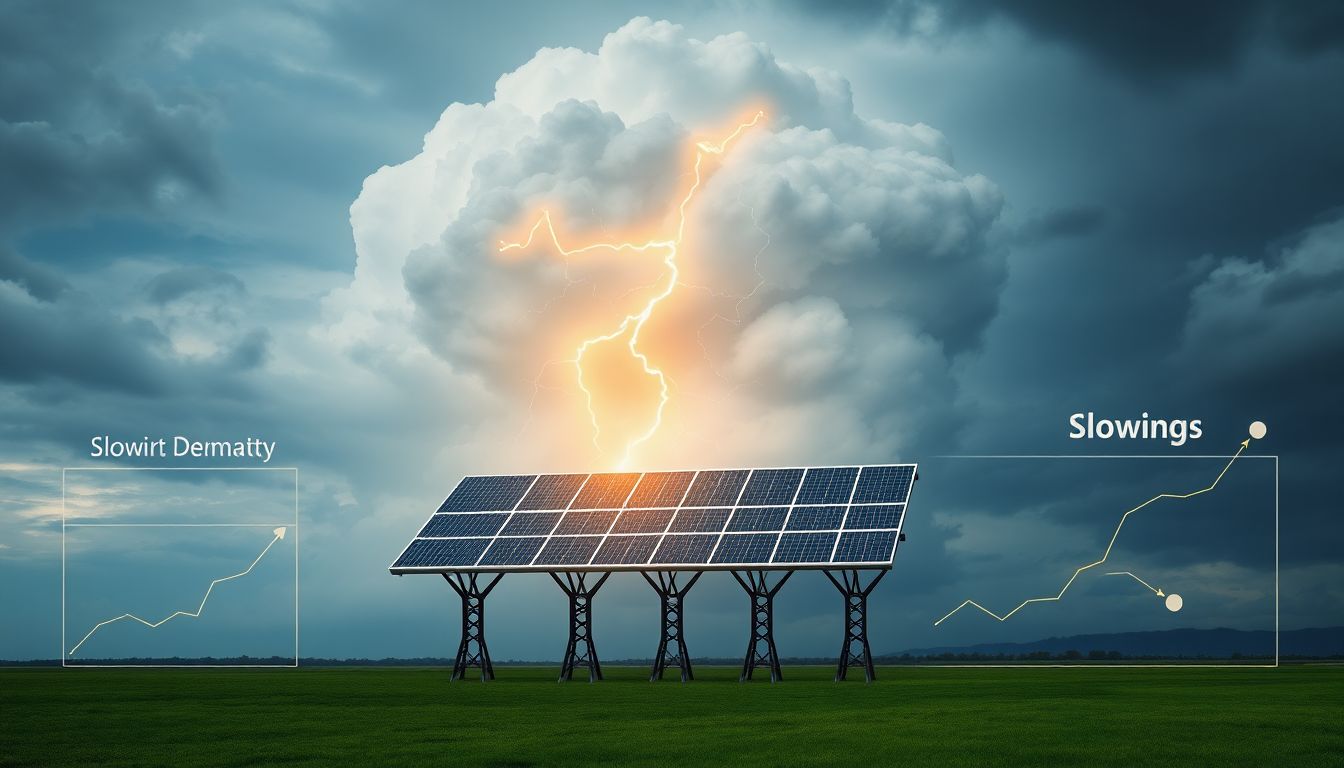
[1123, 717]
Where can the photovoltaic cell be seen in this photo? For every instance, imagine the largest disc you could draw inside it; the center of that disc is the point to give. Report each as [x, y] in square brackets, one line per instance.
[691, 548]
[876, 516]
[513, 551]
[717, 488]
[585, 522]
[570, 550]
[660, 489]
[866, 547]
[531, 523]
[816, 518]
[688, 520]
[745, 548]
[606, 491]
[464, 524]
[805, 548]
[552, 492]
[737, 518]
[827, 485]
[626, 550]
[884, 485]
[442, 553]
[487, 494]
[643, 520]
[758, 518]
[771, 487]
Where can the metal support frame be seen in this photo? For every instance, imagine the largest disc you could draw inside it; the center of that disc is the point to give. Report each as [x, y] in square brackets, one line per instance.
[673, 600]
[472, 651]
[761, 644]
[580, 651]
[854, 651]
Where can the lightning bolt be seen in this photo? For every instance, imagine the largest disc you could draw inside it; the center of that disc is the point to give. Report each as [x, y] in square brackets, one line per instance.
[632, 324]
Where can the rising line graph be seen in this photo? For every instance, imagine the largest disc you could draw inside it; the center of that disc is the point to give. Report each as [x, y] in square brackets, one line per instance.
[279, 534]
[1055, 598]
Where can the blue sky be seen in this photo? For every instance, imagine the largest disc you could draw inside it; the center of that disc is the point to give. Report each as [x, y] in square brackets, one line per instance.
[962, 225]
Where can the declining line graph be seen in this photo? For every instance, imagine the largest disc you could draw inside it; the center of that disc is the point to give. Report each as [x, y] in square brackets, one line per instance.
[1055, 598]
[1155, 590]
[279, 534]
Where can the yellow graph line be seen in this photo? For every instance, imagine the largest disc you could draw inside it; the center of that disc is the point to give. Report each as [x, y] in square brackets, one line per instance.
[279, 534]
[1156, 590]
[1244, 444]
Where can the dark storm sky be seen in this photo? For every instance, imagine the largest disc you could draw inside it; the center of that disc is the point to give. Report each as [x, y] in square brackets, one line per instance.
[1173, 222]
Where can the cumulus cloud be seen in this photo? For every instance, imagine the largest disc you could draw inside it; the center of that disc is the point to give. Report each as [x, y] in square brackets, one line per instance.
[832, 264]
[1253, 316]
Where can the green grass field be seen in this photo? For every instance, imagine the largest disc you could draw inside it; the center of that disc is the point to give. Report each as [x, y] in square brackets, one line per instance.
[916, 716]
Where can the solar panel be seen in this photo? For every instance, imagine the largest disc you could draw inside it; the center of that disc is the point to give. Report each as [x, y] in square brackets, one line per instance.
[813, 517]
[487, 494]
[660, 489]
[552, 492]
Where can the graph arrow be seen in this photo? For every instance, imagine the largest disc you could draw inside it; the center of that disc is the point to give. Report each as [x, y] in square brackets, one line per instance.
[1244, 445]
[1158, 591]
[279, 534]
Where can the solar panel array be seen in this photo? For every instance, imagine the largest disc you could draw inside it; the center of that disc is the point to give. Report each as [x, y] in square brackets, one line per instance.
[721, 519]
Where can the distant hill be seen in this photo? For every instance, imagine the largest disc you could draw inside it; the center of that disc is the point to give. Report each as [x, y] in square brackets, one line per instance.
[1326, 642]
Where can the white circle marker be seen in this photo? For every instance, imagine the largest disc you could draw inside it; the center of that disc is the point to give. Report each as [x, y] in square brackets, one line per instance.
[1258, 430]
[1174, 602]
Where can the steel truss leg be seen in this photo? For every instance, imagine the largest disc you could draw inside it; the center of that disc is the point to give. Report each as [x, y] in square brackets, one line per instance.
[673, 599]
[854, 651]
[580, 652]
[472, 651]
[761, 644]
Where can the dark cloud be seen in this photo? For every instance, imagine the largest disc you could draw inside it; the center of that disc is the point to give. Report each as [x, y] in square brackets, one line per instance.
[1145, 40]
[176, 283]
[76, 138]
[77, 341]
[38, 281]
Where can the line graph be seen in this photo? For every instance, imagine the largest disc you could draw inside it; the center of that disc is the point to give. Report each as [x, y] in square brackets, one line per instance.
[1155, 590]
[1058, 596]
[279, 534]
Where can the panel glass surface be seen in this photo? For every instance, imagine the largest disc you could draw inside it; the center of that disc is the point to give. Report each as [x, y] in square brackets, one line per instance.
[570, 550]
[643, 520]
[693, 520]
[745, 548]
[660, 489]
[770, 487]
[816, 518]
[866, 547]
[688, 520]
[688, 548]
[884, 485]
[875, 516]
[531, 523]
[464, 524]
[758, 518]
[626, 550]
[716, 488]
[827, 485]
[586, 521]
[805, 548]
[487, 494]
[552, 492]
[605, 491]
[442, 553]
[513, 551]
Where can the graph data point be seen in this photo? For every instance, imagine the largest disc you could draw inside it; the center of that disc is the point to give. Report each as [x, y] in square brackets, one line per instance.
[1174, 602]
[1258, 430]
